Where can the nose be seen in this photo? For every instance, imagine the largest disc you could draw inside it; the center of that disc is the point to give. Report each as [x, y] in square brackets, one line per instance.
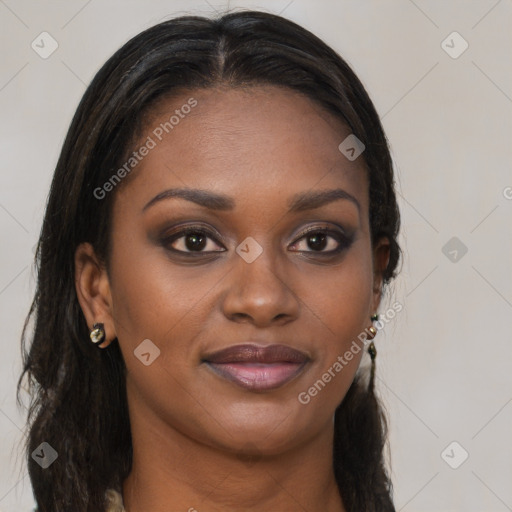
[260, 292]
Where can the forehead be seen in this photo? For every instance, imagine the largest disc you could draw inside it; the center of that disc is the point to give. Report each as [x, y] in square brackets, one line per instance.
[250, 143]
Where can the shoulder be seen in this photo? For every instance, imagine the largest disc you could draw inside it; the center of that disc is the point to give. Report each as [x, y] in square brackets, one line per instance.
[114, 502]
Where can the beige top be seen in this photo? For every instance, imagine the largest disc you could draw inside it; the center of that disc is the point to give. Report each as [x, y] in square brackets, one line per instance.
[115, 501]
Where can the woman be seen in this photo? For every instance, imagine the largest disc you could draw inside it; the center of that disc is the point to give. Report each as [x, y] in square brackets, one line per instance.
[220, 227]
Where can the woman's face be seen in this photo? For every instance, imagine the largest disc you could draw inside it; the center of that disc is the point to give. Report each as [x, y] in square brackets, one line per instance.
[259, 167]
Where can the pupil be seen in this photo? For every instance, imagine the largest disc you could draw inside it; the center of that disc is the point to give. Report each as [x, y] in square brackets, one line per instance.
[317, 241]
[195, 241]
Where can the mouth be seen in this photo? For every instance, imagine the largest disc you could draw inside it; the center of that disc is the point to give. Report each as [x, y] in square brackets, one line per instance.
[257, 368]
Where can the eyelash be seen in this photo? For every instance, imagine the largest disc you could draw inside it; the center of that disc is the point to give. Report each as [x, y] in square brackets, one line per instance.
[343, 240]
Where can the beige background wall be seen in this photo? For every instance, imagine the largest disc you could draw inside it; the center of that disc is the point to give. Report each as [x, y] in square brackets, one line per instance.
[445, 360]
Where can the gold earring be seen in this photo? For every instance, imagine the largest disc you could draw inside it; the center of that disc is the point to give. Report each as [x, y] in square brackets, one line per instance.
[373, 352]
[373, 332]
[97, 334]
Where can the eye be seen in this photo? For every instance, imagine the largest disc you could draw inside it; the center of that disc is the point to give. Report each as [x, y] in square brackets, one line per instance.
[193, 239]
[323, 241]
[200, 240]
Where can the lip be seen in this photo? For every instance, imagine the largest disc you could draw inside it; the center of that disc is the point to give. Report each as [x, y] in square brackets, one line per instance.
[255, 367]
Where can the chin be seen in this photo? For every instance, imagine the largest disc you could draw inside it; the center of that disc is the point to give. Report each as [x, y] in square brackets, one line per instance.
[267, 429]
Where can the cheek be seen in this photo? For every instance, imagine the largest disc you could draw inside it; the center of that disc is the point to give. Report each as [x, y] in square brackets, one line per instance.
[152, 298]
[341, 298]
[154, 301]
[340, 302]
[168, 304]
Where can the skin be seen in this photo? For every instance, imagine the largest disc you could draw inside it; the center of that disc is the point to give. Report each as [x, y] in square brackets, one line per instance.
[201, 442]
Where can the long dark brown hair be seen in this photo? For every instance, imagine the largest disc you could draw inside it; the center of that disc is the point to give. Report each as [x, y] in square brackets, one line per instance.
[78, 395]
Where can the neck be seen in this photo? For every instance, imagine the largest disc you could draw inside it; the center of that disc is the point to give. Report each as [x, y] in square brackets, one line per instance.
[171, 471]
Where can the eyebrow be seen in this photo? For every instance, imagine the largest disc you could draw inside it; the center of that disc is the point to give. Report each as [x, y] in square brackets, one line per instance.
[303, 201]
[316, 198]
[205, 198]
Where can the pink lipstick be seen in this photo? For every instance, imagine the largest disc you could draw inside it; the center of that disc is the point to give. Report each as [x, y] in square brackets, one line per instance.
[257, 368]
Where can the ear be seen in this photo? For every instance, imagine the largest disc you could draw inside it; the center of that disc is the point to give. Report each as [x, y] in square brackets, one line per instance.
[93, 291]
[381, 253]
